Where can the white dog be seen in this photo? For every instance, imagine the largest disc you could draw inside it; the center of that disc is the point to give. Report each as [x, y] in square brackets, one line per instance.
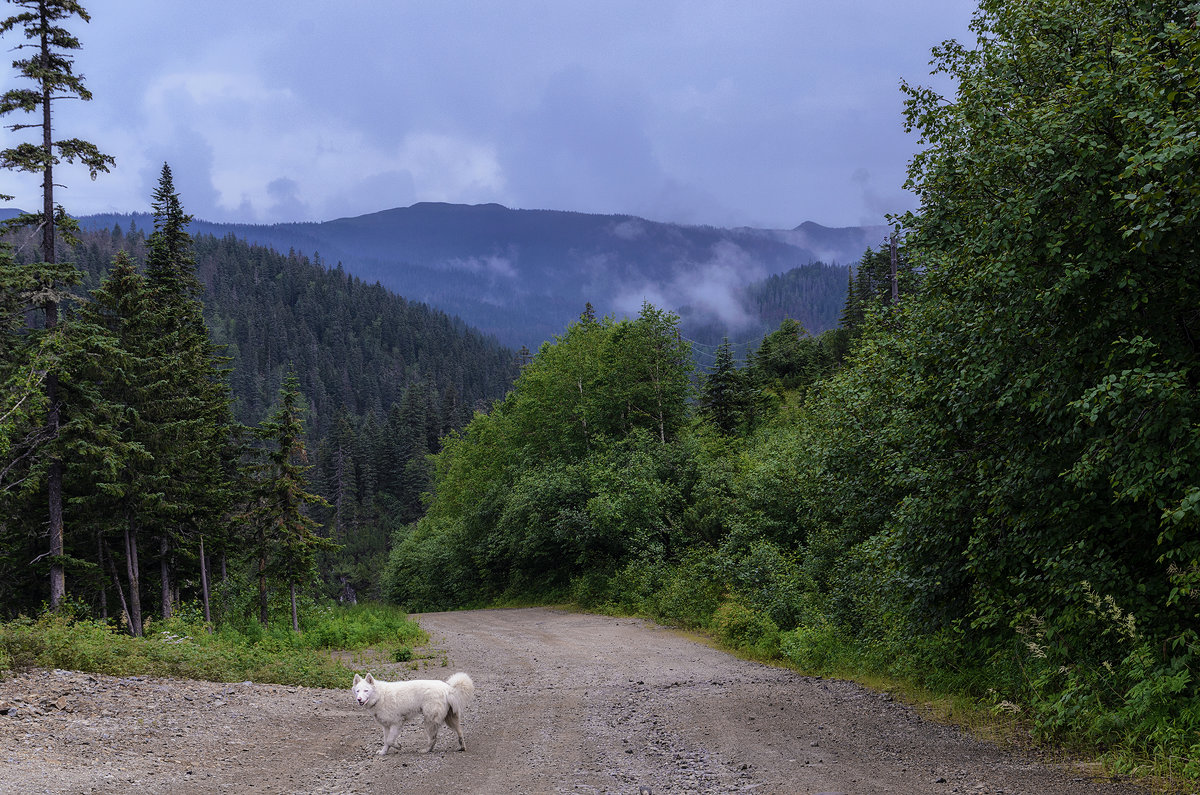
[394, 702]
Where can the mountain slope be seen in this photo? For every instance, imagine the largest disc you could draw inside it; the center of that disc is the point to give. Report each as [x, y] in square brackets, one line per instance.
[523, 275]
[356, 345]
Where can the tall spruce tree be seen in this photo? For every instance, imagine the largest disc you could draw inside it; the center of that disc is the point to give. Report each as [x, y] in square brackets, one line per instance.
[283, 538]
[725, 395]
[51, 69]
[870, 284]
[192, 413]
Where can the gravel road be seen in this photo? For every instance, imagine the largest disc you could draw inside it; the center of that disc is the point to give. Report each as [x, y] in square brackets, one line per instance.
[564, 703]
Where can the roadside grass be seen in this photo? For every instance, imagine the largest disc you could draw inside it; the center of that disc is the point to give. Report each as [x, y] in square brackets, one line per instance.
[186, 647]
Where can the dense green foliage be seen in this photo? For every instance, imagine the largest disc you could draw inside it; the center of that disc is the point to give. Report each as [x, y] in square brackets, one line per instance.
[528, 494]
[993, 492]
[592, 463]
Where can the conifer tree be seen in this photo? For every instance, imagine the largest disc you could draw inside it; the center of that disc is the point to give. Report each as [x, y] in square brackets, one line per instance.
[51, 69]
[283, 537]
[192, 411]
[115, 377]
[724, 396]
[870, 285]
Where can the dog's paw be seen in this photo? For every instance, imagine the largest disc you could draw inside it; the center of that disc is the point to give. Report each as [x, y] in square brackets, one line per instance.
[382, 751]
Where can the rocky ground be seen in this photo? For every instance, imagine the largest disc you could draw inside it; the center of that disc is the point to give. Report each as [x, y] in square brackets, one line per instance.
[564, 703]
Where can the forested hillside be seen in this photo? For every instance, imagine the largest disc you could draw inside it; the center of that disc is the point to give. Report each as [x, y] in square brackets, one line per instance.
[379, 381]
[522, 275]
[355, 345]
[383, 378]
[988, 484]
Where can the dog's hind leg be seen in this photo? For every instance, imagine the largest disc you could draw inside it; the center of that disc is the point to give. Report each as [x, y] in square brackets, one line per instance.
[432, 724]
[452, 722]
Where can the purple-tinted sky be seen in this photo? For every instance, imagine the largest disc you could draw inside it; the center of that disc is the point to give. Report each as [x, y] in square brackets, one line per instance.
[725, 112]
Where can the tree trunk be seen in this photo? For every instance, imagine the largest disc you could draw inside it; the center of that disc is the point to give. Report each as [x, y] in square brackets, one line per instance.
[262, 591]
[224, 584]
[895, 277]
[204, 583]
[58, 578]
[103, 589]
[135, 584]
[112, 566]
[164, 568]
[583, 413]
[295, 616]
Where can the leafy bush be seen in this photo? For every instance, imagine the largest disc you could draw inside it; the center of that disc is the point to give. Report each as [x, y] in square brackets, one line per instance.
[686, 593]
[358, 626]
[766, 577]
[20, 645]
[747, 630]
[818, 649]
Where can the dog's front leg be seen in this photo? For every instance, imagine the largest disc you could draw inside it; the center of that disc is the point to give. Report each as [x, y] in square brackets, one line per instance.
[390, 734]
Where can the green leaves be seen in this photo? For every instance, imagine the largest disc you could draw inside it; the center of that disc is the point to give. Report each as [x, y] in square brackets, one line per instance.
[1054, 345]
[574, 470]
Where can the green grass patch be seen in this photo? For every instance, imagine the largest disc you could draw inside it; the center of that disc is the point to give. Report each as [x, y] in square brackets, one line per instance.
[186, 648]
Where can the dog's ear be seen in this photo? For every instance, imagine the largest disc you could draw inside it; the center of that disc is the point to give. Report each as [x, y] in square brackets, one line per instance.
[370, 679]
[357, 679]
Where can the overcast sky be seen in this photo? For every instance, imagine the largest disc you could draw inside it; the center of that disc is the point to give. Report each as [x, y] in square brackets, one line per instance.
[725, 112]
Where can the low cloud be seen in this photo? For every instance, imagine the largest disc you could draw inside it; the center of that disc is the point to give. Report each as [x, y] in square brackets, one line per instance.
[631, 229]
[711, 290]
[492, 266]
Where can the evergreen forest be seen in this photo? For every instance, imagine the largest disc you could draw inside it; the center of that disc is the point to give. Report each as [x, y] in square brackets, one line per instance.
[376, 382]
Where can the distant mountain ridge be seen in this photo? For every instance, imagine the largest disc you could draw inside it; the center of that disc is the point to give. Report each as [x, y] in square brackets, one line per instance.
[523, 275]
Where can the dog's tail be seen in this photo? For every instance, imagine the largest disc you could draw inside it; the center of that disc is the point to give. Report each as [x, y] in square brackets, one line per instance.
[462, 683]
[461, 688]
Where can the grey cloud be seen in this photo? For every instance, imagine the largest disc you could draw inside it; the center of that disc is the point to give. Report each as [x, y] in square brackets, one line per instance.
[584, 146]
[710, 289]
[381, 191]
[191, 162]
[694, 112]
[287, 202]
